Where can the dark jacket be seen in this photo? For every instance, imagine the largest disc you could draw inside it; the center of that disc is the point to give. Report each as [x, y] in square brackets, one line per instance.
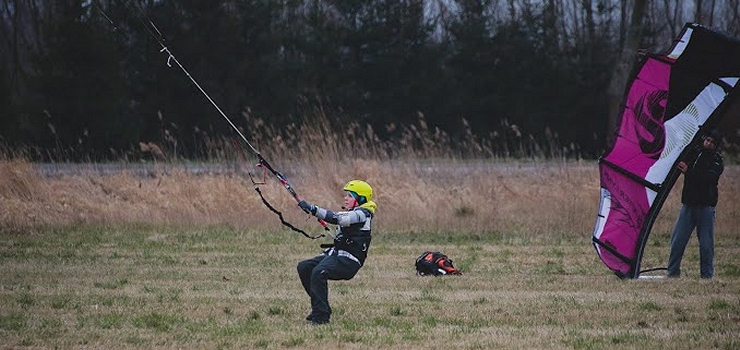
[355, 239]
[701, 178]
[354, 231]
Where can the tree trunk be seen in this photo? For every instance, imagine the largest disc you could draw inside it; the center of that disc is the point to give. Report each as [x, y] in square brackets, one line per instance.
[698, 14]
[623, 69]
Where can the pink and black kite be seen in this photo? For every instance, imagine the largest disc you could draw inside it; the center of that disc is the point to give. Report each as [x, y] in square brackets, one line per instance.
[671, 99]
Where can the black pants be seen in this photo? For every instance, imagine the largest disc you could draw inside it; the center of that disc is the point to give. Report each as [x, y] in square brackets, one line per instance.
[314, 274]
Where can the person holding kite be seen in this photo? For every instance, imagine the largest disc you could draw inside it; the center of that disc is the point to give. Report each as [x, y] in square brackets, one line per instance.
[699, 199]
[344, 258]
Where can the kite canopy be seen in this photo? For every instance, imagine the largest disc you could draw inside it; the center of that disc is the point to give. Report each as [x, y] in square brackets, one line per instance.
[671, 100]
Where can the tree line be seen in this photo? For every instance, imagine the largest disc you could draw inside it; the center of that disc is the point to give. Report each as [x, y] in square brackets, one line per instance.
[89, 76]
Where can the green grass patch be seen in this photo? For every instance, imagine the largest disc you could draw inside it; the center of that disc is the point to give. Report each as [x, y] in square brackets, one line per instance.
[13, 322]
[157, 321]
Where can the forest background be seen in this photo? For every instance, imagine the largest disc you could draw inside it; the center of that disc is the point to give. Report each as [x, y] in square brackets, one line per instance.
[85, 81]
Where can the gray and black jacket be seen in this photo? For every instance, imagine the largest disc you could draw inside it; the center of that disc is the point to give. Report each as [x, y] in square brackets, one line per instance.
[352, 239]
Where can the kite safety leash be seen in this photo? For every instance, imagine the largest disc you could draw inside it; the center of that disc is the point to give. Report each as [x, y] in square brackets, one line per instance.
[271, 207]
[159, 38]
[282, 220]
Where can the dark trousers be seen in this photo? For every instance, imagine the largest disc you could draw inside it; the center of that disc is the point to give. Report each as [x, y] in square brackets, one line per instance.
[690, 217]
[315, 273]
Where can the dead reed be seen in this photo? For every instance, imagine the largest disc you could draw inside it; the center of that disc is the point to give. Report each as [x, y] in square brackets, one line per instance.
[425, 180]
[427, 195]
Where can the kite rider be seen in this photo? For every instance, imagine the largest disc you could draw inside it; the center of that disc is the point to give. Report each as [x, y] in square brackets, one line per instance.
[699, 198]
[342, 259]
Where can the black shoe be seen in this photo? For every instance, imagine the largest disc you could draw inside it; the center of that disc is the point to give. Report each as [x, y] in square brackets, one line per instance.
[316, 322]
[309, 317]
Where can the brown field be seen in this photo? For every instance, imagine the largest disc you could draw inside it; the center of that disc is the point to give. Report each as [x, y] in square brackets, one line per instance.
[413, 196]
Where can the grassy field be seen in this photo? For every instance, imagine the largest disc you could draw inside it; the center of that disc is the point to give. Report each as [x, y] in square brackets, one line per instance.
[172, 261]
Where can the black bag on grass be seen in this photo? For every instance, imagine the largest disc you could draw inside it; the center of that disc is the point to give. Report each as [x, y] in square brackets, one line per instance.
[435, 264]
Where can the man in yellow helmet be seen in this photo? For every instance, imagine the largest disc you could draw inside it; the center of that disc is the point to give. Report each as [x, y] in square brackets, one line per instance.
[342, 259]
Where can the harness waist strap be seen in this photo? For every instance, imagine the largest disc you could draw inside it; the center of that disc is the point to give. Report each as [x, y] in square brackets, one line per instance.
[346, 254]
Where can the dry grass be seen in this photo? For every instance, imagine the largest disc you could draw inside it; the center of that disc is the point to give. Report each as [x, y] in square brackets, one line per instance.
[438, 196]
[421, 196]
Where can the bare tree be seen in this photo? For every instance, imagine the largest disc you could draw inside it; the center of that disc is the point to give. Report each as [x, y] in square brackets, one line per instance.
[623, 67]
[697, 12]
[673, 15]
[733, 20]
[21, 32]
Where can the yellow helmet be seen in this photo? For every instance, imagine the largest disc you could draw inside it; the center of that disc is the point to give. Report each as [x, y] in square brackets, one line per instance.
[361, 189]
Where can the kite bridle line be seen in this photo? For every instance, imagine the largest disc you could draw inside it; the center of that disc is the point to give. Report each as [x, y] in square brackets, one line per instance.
[157, 35]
